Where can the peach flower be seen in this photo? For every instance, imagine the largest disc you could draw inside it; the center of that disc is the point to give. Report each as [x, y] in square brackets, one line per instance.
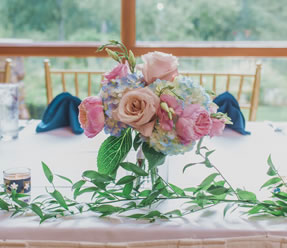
[137, 108]
[158, 65]
[91, 116]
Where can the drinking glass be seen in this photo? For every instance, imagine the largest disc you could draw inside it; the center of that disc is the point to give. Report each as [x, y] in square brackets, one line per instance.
[9, 101]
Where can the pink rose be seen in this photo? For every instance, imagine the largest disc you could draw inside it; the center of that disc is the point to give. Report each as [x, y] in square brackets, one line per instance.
[217, 127]
[158, 65]
[121, 70]
[91, 116]
[165, 122]
[137, 108]
[193, 124]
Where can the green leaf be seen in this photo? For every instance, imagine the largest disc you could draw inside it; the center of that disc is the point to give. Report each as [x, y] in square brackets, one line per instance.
[137, 142]
[135, 216]
[59, 198]
[256, 209]
[154, 158]
[100, 185]
[20, 195]
[149, 200]
[208, 180]
[174, 212]
[207, 163]
[113, 151]
[134, 168]
[271, 171]
[198, 146]
[281, 203]
[21, 203]
[217, 190]
[37, 210]
[271, 181]
[152, 214]
[106, 195]
[46, 217]
[177, 190]
[227, 207]
[125, 180]
[47, 172]
[145, 193]
[246, 195]
[189, 165]
[281, 195]
[95, 176]
[78, 184]
[65, 178]
[207, 154]
[130, 205]
[4, 205]
[191, 189]
[86, 190]
[106, 209]
[128, 189]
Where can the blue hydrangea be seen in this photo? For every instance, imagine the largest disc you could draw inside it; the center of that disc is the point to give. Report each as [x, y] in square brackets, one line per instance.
[167, 142]
[111, 94]
[192, 92]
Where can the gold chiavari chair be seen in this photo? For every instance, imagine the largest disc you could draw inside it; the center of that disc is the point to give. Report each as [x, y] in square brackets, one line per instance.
[62, 73]
[252, 104]
[5, 75]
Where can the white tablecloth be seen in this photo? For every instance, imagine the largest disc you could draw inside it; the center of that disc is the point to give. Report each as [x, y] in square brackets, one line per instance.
[242, 159]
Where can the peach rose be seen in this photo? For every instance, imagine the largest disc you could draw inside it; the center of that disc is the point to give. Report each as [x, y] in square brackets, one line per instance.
[158, 65]
[91, 116]
[137, 108]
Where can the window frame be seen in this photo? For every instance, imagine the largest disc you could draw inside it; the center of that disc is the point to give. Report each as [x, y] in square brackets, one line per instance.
[128, 37]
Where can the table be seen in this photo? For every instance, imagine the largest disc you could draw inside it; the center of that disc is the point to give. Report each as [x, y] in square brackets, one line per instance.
[242, 159]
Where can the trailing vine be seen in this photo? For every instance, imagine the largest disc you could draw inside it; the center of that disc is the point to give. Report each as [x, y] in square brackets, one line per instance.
[122, 197]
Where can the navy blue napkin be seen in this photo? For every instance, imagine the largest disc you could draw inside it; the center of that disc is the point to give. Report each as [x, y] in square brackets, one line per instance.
[228, 104]
[62, 111]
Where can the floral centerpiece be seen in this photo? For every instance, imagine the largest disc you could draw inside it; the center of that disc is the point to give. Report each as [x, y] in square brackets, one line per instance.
[157, 112]
[169, 113]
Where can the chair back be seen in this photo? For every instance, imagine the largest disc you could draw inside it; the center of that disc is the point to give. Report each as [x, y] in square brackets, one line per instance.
[63, 73]
[252, 104]
[5, 75]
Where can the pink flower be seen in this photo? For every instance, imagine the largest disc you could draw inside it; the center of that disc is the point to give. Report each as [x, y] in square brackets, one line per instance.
[193, 124]
[121, 70]
[213, 108]
[91, 116]
[217, 127]
[165, 122]
[137, 108]
[158, 65]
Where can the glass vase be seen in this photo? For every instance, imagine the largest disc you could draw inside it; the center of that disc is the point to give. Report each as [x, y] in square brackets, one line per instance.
[147, 182]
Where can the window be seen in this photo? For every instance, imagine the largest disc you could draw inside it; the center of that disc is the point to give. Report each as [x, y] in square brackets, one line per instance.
[211, 20]
[60, 20]
[206, 35]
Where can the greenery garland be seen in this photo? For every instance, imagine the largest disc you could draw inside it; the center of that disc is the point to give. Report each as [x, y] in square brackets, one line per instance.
[110, 196]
